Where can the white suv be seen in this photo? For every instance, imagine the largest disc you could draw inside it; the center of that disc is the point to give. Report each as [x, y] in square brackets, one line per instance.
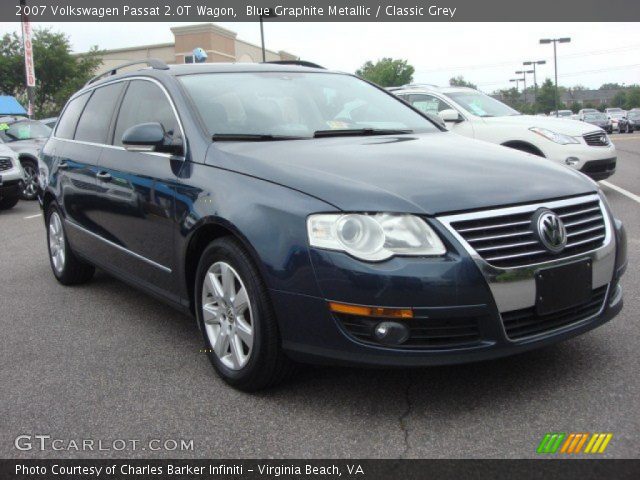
[11, 178]
[473, 114]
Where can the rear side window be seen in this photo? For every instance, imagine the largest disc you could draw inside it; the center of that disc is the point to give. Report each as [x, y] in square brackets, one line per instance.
[145, 102]
[69, 120]
[96, 117]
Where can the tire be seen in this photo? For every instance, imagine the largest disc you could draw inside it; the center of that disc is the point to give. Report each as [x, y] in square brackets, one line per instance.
[30, 167]
[66, 266]
[9, 202]
[246, 362]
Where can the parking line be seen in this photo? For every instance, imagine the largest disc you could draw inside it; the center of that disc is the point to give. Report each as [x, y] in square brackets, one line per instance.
[33, 216]
[624, 192]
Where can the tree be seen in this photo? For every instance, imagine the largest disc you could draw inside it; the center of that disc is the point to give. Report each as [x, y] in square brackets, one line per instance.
[610, 86]
[387, 72]
[575, 107]
[58, 72]
[546, 97]
[633, 98]
[459, 81]
[619, 99]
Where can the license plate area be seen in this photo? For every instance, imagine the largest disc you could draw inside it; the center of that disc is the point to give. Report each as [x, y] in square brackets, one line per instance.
[562, 287]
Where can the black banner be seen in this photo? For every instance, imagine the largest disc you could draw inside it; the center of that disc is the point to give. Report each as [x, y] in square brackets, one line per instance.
[326, 469]
[321, 10]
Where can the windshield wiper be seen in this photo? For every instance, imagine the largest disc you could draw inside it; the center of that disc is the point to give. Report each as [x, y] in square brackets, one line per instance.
[359, 131]
[251, 137]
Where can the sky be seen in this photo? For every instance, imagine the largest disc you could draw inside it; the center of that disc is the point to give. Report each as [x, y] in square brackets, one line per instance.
[487, 54]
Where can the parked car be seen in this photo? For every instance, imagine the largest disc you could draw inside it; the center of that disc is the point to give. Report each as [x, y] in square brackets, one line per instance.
[307, 215]
[49, 122]
[599, 120]
[562, 114]
[584, 111]
[613, 110]
[11, 178]
[473, 114]
[615, 117]
[25, 137]
[633, 121]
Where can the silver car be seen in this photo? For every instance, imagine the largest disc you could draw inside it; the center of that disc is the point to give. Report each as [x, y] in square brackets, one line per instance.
[11, 178]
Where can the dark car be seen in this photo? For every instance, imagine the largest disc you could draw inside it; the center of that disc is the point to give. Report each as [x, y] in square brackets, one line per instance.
[303, 215]
[25, 137]
[599, 120]
[630, 123]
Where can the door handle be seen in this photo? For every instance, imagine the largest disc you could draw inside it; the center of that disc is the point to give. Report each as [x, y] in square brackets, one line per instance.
[104, 176]
[63, 165]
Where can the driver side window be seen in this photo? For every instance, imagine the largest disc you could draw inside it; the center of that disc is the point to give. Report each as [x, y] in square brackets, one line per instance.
[428, 103]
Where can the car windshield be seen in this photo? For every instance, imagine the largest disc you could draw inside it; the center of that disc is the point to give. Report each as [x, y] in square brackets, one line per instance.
[595, 117]
[482, 105]
[273, 105]
[616, 114]
[634, 115]
[23, 130]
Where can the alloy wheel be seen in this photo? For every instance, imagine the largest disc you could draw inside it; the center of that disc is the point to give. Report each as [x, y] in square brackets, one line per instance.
[30, 182]
[56, 243]
[227, 315]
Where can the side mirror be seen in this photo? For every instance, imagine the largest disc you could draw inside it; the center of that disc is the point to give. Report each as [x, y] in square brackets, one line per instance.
[450, 115]
[150, 137]
[436, 119]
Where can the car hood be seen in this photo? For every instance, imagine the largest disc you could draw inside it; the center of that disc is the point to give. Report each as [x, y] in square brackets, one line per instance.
[428, 173]
[565, 126]
[32, 146]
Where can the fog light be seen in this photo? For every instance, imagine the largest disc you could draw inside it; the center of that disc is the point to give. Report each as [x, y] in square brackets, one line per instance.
[391, 333]
[572, 161]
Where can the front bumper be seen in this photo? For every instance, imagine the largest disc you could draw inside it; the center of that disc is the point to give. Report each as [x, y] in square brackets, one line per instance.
[11, 188]
[599, 169]
[457, 294]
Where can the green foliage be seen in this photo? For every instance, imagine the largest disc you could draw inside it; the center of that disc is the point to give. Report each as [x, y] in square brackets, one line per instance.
[58, 73]
[632, 98]
[546, 97]
[575, 107]
[610, 86]
[459, 81]
[619, 99]
[387, 72]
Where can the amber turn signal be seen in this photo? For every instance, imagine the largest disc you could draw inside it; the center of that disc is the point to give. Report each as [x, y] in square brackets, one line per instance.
[363, 311]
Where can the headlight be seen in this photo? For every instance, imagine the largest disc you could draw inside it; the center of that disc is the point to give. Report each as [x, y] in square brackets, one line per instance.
[374, 237]
[553, 136]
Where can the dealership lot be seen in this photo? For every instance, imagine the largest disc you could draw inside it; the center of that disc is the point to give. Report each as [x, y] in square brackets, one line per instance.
[105, 362]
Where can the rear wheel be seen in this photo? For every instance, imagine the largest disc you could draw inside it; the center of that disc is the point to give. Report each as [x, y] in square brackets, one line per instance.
[236, 318]
[30, 189]
[67, 267]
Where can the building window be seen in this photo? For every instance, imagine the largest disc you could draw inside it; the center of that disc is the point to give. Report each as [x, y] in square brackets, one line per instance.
[188, 59]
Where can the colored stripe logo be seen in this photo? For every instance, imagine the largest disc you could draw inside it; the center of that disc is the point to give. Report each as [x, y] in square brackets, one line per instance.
[572, 443]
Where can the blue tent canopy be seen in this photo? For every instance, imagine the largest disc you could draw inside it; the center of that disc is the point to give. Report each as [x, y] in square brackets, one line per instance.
[10, 106]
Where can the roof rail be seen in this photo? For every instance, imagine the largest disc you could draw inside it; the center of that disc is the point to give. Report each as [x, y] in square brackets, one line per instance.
[151, 62]
[300, 63]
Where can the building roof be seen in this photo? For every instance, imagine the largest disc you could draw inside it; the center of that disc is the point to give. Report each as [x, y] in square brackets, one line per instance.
[10, 106]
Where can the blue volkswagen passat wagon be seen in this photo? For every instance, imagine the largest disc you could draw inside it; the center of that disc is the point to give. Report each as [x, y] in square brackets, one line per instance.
[304, 215]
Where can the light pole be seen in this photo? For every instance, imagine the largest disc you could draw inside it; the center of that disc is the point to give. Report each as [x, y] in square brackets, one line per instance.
[266, 13]
[517, 80]
[524, 78]
[555, 61]
[535, 80]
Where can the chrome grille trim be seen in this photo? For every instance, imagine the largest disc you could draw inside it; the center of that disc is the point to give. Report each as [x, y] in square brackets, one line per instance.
[506, 238]
[594, 139]
[5, 164]
[514, 287]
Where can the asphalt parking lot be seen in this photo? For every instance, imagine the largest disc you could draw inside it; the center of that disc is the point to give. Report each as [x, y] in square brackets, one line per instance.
[105, 362]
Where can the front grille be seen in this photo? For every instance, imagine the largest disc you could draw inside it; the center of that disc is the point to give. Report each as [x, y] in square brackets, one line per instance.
[596, 139]
[508, 241]
[520, 324]
[5, 164]
[423, 332]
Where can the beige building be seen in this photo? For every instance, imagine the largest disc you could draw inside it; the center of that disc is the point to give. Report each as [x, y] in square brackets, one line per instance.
[221, 45]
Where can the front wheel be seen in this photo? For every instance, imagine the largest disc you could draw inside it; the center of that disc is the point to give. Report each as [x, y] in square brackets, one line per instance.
[67, 267]
[8, 202]
[30, 190]
[236, 318]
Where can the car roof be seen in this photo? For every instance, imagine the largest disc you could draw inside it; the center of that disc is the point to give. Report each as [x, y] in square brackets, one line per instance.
[195, 68]
[425, 87]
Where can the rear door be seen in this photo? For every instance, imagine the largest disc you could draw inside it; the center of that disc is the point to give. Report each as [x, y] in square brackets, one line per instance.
[83, 130]
[136, 189]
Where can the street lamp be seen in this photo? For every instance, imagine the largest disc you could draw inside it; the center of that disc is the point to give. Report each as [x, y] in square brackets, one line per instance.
[535, 81]
[524, 78]
[555, 61]
[266, 13]
[517, 80]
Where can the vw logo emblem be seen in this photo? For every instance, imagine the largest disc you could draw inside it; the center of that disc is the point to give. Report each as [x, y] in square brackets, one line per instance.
[550, 230]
